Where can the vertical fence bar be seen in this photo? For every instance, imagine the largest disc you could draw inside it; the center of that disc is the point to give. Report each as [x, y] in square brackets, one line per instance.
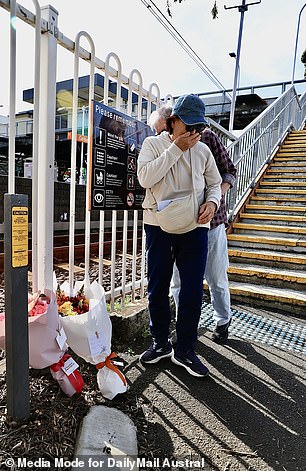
[114, 213]
[35, 147]
[73, 158]
[45, 180]
[12, 105]
[139, 113]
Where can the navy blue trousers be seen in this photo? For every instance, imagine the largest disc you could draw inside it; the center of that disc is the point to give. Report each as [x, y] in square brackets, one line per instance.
[189, 251]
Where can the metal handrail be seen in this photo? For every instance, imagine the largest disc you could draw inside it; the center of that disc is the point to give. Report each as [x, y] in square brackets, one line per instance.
[260, 139]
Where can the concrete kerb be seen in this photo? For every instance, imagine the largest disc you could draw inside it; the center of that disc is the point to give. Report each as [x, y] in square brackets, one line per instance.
[129, 324]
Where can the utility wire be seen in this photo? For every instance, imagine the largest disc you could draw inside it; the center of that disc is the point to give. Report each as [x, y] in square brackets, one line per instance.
[182, 42]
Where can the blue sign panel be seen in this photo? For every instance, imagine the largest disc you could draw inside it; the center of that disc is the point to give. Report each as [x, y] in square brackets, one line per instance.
[117, 139]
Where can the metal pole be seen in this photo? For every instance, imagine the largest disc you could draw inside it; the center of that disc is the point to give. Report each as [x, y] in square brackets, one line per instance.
[296, 43]
[46, 147]
[16, 304]
[12, 108]
[81, 180]
[242, 9]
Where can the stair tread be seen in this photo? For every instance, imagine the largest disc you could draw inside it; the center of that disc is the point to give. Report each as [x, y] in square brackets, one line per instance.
[283, 183]
[293, 242]
[273, 217]
[266, 254]
[284, 192]
[289, 274]
[272, 293]
[270, 228]
[280, 198]
[271, 207]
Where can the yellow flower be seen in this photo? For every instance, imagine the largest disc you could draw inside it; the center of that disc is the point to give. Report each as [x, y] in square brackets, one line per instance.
[66, 309]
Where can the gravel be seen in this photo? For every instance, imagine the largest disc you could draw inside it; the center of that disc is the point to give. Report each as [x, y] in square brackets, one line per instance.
[247, 415]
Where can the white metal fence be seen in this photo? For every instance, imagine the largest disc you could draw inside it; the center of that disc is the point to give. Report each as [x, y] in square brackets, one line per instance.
[48, 39]
[249, 152]
[252, 150]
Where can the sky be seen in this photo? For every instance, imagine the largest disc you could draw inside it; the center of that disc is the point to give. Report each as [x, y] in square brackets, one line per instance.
[127, 28]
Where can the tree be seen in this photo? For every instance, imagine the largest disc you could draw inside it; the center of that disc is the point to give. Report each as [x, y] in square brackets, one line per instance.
[303, 60]
[214, 10]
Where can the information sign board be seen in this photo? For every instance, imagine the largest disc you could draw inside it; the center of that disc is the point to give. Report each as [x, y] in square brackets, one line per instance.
[117, 139]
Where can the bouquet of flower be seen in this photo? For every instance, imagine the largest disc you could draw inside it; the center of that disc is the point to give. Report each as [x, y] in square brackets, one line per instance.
[71, 305]
[46, 338]
[47, 342]
[88, 329]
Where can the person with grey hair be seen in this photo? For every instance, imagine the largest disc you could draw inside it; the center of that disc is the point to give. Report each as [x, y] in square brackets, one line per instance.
[217, 256]
[158, 119]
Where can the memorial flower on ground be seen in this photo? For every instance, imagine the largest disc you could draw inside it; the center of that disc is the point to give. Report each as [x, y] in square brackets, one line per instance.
[37, 304]
[72, 305]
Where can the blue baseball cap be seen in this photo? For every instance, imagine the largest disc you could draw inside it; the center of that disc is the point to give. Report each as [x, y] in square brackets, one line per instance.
[190, 109]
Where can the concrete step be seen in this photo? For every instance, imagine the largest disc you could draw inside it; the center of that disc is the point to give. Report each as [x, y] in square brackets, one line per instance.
[286, 170]
[272, 276]
[287, 165]
[293, 185]
[276, 209]
[267, 257]
[284, 220]
[289, 193]
[290, 177]
[266, 229]
[274, 243]
[297, 146]
[290, 157]
[282, 299]
[279, 200]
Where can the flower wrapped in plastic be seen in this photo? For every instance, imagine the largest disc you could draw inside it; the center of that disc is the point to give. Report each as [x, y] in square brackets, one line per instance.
[46, 337]
[47, 342]
[88, 329]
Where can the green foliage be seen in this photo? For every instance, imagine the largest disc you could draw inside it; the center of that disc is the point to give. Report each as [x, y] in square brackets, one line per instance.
[117, 304]
[214, 10]
[303, 60]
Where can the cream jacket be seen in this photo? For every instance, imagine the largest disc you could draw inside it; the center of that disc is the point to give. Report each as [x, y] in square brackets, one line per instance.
[165, 170]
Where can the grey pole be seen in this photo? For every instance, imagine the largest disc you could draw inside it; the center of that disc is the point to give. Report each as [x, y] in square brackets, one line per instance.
[242, 9]
[16, 304]
[296, 43]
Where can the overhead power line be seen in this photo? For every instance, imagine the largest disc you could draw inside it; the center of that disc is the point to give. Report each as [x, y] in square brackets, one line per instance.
[157, 13]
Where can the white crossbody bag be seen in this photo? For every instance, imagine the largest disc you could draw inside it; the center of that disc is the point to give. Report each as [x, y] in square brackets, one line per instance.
[179, 215]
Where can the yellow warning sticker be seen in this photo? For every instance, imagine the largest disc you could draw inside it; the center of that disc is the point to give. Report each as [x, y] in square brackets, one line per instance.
[20, 235]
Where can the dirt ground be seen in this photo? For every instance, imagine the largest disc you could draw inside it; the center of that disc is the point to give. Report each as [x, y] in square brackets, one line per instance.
[249, 414]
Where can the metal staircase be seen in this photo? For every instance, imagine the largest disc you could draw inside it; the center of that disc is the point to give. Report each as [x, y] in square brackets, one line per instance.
[267, 240]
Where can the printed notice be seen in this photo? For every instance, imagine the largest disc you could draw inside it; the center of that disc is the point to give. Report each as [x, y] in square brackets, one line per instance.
[20, 235]
[117, 140]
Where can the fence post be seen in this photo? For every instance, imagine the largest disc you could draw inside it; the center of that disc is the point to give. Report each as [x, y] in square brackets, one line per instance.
[16, 304]
[45, 183]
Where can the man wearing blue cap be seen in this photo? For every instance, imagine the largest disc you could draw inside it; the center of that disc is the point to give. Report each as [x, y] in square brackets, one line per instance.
[170, 166]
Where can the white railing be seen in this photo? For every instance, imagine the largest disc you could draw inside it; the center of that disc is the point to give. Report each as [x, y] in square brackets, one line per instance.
[253, 149]
[249, 152]
[49, 41]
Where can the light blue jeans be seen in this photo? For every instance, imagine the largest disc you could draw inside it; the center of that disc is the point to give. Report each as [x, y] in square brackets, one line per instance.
[215, 274]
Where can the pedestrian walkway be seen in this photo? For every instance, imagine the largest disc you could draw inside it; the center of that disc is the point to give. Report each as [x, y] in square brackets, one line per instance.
[263, 329]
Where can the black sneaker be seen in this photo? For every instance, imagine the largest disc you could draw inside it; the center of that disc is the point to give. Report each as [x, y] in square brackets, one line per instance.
[191, 363]
[220, 334]
[156, 352]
